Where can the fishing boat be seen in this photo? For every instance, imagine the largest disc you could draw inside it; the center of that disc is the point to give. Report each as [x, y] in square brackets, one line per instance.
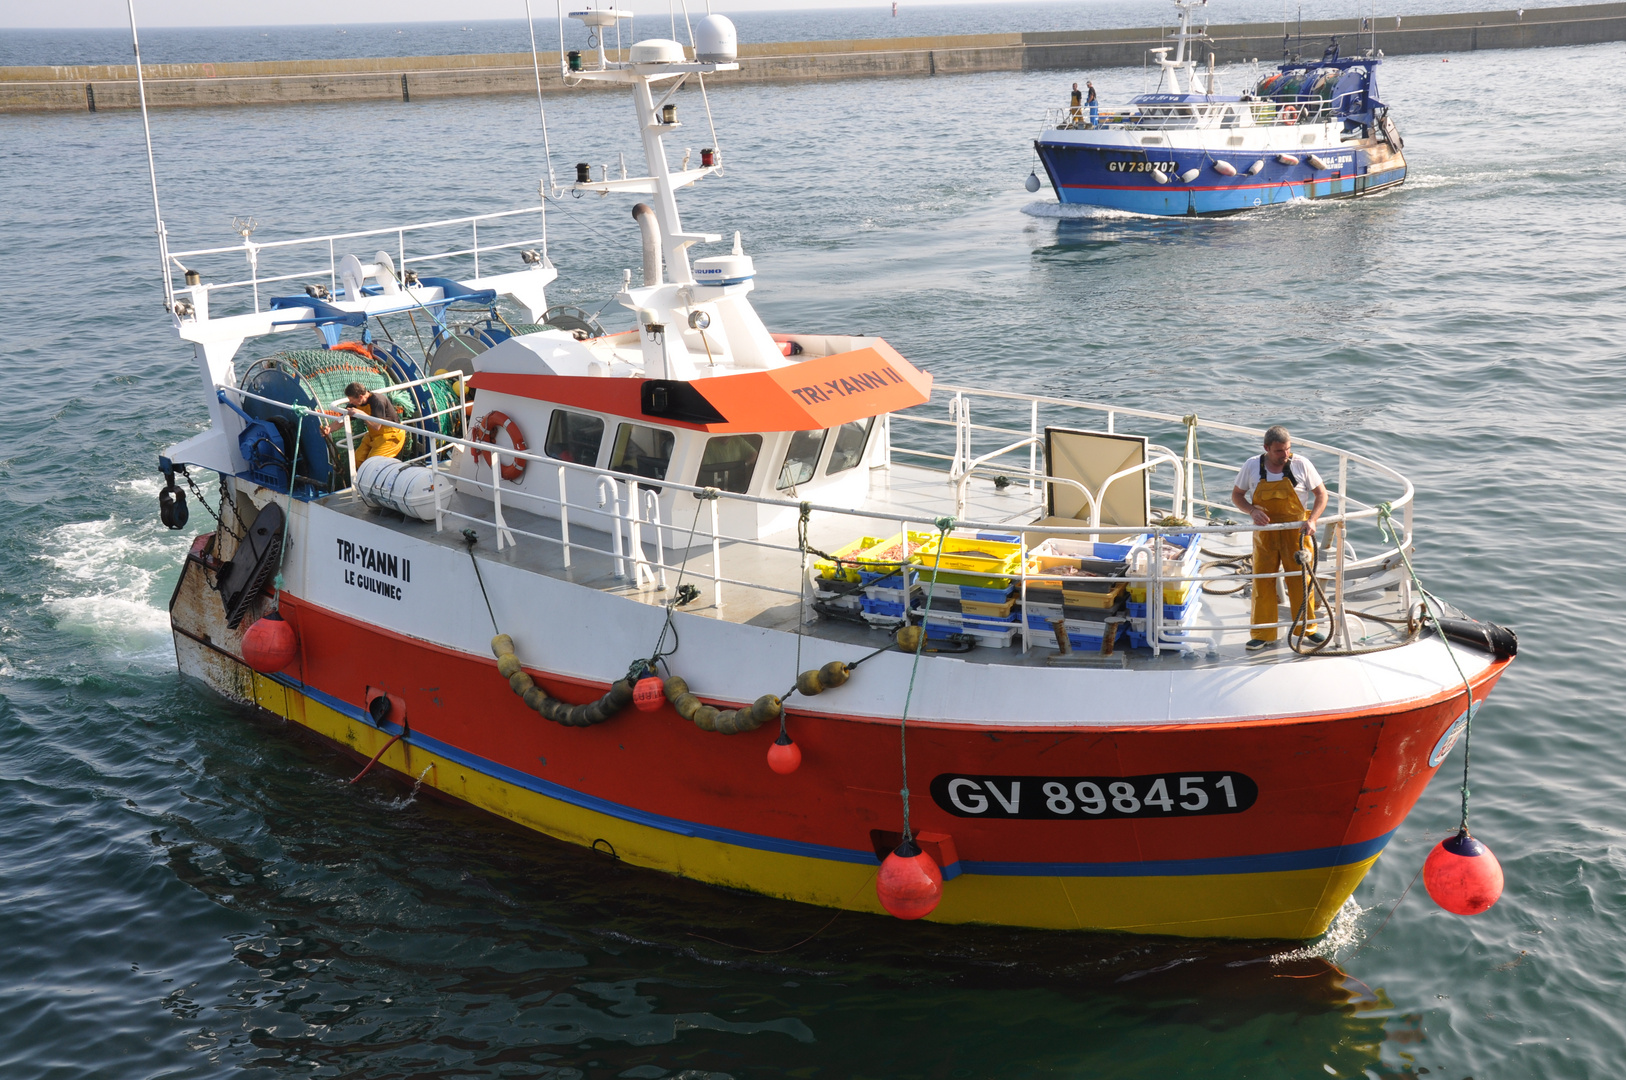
[779, 611]
[1313, 129]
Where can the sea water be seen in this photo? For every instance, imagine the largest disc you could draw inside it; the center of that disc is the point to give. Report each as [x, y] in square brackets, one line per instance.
[189, 889]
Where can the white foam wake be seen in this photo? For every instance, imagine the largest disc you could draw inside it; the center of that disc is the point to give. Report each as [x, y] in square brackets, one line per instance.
[1074, 212]
[104, 580]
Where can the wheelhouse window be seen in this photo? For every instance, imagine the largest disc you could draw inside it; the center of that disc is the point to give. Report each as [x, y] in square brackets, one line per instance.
[728, 462]
[574, 436]
[642, 451]
[802, 458]
[849, 449]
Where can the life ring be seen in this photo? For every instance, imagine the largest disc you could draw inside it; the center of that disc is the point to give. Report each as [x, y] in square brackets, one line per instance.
[485, 430]
[1290, 115]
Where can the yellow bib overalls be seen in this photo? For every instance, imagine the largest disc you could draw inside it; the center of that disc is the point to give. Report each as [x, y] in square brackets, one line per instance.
[1275, 551]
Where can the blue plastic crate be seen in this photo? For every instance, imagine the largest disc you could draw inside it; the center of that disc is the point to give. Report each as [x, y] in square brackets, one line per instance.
[1171, 612]
[880, 607]
[1172, 637]
[1081, 642]
[888, 581]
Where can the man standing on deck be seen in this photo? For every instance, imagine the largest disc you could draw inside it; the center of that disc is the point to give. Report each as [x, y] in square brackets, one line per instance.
[380, 441]
[1075, 114]
[1273, 488]
[1095, 106]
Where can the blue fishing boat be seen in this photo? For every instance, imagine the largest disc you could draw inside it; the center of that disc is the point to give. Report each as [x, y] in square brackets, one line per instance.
[1313, 129]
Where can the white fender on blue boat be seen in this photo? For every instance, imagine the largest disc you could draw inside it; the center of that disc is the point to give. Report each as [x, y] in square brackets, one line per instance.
[1032, 182]
[1253, 170]
[1225, 168]
[1287, 159]
[1160, 176]
[1189, 175]
[1315, 163]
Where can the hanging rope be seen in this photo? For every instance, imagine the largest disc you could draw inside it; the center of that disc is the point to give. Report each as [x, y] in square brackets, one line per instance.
[944, 524]
[300, 412]
[1391, 534]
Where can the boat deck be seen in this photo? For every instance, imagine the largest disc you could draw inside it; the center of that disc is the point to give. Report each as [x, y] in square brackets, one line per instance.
[897, 493]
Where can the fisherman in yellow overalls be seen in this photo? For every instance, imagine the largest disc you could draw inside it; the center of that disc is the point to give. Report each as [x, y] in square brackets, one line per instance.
[1273, 488]
[380, 441]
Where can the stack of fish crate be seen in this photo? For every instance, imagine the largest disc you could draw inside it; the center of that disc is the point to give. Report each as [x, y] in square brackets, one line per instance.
[973, 585]
[1083, 591]
[1182, 600]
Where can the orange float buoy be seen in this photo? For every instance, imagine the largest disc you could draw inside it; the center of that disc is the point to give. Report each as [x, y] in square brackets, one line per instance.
[1462, 875]
[649, 694]
[910, 883]
[270, 645]
[784, 756]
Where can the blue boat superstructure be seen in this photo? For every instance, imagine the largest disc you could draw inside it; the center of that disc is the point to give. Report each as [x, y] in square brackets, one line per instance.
[1311, 130]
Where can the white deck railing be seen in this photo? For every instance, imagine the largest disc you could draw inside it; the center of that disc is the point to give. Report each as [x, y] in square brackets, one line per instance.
[320, 255]
[1201, 115]
[626, 507]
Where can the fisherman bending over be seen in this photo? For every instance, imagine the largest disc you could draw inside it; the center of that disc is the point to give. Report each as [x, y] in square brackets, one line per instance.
[380, 441]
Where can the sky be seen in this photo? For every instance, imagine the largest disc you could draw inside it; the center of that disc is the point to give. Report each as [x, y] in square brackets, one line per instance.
[88, 13]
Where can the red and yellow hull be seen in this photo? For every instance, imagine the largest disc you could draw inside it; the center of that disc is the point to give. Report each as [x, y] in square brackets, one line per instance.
[1314, 797]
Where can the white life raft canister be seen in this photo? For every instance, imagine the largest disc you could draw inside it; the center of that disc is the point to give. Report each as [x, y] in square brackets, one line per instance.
[409, 490]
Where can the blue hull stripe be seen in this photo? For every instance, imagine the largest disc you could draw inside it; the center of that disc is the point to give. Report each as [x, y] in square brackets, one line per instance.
[1312, 859]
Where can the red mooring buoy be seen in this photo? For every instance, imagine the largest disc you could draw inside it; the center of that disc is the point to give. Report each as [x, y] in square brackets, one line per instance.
[910, 883]
[649, 693]
[1462, 875]
[270, 645]
[784, 756]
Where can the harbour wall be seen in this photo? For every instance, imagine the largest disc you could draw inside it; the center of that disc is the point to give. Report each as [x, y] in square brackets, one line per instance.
[92, 88]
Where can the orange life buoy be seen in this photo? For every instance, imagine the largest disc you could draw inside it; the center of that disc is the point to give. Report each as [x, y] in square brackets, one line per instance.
[1290, 114]
[485, 430]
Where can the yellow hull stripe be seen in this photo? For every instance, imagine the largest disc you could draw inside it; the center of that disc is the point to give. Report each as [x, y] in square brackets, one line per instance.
[1289, 904]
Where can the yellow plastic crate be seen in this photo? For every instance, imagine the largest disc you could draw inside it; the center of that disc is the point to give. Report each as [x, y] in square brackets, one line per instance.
[1092, 599]
[989, 558]
[1174, 592]
[844, 571]
[983, 607]
[888, 556]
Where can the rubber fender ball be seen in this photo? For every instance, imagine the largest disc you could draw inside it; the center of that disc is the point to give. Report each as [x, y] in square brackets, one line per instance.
[270, 645]
[535, 698]
[1462, 875]
[910, 883]
[502, 643]
[1032, 182]
[808, 684]
[687, 706]
[507, 665]
[784, 756]
[908, 638]
[620, 694]
[705, 718]
[833, 674]
[520, 682]
[675, 688]
[649, 694]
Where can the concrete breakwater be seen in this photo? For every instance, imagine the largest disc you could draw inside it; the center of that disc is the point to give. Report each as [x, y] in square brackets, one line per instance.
[89, 88]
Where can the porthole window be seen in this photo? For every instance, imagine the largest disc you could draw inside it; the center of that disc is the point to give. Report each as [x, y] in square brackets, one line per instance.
[728, 462]
[802, 458]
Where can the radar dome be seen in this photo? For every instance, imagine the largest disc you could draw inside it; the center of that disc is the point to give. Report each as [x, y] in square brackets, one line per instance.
[715, 41]
[657, 51]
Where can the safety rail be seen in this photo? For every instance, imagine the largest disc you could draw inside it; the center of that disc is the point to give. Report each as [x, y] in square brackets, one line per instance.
[1285, 111]
[629, 504]
[184, 262]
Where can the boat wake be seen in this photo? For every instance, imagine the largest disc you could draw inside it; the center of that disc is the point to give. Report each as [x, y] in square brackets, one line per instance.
[1344, 932]
[1073, 212]
[105, 580]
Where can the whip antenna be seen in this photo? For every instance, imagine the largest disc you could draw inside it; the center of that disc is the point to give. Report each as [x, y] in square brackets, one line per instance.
[542, 113]
[152, 167]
